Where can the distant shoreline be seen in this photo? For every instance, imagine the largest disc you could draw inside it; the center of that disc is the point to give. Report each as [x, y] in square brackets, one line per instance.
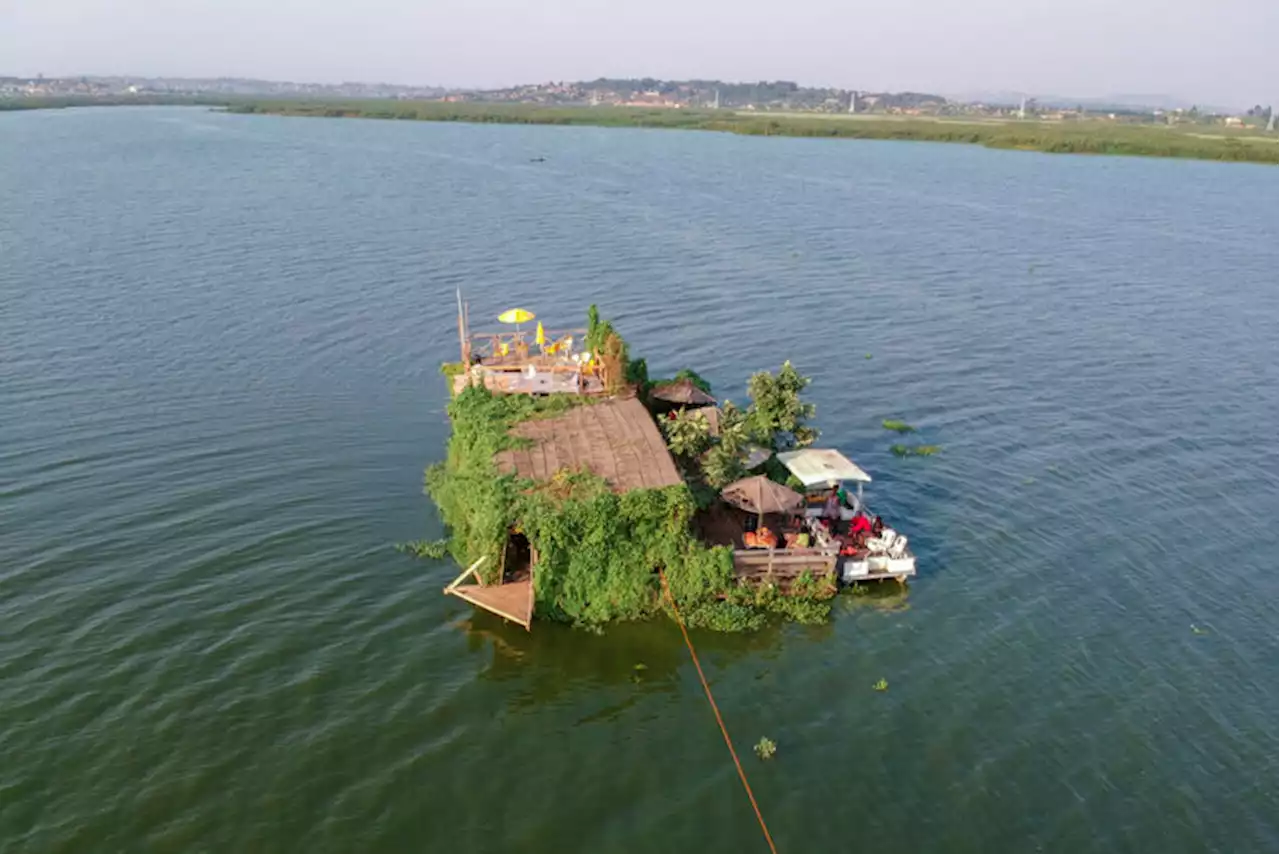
[1078, 137]
[1063, 137]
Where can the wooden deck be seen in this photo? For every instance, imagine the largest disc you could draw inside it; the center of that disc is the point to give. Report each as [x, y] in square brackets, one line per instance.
[615, 439]
[542, 382]
[512, 601]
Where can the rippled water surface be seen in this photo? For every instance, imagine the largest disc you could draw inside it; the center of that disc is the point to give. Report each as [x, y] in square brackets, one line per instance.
[218, 347]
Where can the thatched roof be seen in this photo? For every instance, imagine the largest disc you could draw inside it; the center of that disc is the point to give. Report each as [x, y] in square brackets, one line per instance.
[615, 439]
[682, 392]
[760, 495]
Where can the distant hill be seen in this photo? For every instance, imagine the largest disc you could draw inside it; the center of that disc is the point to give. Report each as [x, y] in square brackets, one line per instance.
[761, 94]
[113, 85]
[1121, 102]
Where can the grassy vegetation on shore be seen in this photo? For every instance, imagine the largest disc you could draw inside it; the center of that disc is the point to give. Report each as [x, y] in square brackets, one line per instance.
[62, 102]
[1074, 137]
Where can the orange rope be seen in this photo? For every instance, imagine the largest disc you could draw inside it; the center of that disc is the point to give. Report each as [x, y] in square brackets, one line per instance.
[712, 700]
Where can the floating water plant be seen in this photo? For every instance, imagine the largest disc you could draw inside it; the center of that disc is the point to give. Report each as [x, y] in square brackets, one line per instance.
[882, 685]
[765, 748]
[914, 450]
[433, 549]
[898, 426]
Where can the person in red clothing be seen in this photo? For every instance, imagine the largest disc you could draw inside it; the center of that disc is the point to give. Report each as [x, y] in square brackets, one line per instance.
[859, 528]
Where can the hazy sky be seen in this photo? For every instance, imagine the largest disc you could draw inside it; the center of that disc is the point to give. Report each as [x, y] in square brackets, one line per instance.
[1211, 51]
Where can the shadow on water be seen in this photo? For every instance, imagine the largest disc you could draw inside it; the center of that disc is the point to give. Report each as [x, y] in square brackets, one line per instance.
[555, 663]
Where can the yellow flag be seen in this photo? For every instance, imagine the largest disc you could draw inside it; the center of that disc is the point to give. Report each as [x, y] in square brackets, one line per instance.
[540, 337]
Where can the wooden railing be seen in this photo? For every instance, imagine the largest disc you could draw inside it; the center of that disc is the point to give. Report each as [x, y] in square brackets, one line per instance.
[783, 565]
[509, 345]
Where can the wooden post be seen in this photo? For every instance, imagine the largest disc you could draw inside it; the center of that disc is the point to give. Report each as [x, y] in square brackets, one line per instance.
[466, 572]
[533, 566]
[466, 325]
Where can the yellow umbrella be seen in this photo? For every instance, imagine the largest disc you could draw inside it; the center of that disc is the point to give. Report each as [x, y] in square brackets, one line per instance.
[516, 315]
[540, 337]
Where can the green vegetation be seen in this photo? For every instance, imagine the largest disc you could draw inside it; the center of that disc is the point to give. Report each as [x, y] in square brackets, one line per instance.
[776, 418]
[432, 549]
[765, 748]
[898, 426]
[1074, 137]
[882, 685]
[65, 101]
[915, 450]
[597, 550]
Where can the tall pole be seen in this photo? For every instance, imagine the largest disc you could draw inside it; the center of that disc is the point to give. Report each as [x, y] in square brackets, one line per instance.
[462, 332]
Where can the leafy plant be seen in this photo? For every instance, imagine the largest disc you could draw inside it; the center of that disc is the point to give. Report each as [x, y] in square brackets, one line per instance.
[687, 432]
[765, 748]
[777, 416]
[432, 549]
[734, 431]
[915, 450]
[721, 467]
[882, 685]
[898, 426]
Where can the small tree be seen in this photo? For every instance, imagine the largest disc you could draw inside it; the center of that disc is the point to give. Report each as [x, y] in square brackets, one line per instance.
[721, 467]
[777, 416]
[734, 432]
[688, 433]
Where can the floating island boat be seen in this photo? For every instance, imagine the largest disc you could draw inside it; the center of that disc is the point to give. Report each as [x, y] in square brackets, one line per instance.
[572, 478]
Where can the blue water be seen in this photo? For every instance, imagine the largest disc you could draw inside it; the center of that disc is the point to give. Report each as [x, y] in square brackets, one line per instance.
[218, 391]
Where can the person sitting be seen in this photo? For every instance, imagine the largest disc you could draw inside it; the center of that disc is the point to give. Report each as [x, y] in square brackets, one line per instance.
[877, 527]
[860, 525]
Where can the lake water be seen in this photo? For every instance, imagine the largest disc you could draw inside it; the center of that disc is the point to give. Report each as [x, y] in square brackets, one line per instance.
[219, 388]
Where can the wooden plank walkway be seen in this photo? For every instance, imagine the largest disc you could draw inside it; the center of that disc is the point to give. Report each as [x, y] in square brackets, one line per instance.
[512, 601]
